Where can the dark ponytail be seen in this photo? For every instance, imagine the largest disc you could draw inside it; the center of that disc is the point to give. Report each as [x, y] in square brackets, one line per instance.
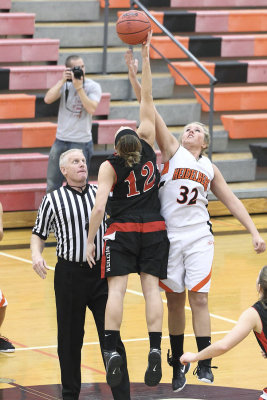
[129, 148]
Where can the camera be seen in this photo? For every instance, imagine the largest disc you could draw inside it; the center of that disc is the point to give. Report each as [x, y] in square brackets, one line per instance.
[77, 72]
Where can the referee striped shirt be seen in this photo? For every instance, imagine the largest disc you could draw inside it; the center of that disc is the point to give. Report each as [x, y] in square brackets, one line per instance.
[66, 212]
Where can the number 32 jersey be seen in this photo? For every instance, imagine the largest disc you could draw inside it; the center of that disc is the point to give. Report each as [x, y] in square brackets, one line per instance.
[184, 187]
[136, 189]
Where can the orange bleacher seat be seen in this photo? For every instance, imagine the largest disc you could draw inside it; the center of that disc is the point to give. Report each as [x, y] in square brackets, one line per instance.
[38, 134]
[247, 20]
[167, 47]
[116, 3]
[235, 98]
[17, 106]
[191, 71]
[245, 126]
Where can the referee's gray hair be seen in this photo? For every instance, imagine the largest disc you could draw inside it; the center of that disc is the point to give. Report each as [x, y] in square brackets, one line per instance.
[63, 157]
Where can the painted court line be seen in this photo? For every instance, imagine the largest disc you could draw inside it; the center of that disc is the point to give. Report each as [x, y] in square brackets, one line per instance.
[97, 343]
[129, 291]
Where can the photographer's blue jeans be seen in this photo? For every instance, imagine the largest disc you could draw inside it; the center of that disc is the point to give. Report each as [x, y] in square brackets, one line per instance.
[54, 175]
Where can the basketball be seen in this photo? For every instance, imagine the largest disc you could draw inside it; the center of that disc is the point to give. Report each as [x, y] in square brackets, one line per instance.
[133, 26]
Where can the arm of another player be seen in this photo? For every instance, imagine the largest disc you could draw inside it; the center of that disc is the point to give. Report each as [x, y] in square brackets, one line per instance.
[38, 262]
[248, 321]
[106, 179]
[167, 143]
[146, 130]
[222, 191]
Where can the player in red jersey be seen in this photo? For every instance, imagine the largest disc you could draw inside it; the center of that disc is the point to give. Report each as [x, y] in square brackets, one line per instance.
[136, 238]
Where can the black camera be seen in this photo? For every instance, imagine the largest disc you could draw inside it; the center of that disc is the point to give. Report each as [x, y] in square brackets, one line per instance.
[77, 72]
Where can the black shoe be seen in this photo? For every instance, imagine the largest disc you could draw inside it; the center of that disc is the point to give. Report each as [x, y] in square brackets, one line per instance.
[153, 373]
[6, 346]
[113, 363]
[179, 371]
[203, 372]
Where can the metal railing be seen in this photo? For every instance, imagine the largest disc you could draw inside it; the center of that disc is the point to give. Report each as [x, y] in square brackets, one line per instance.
[212, 79]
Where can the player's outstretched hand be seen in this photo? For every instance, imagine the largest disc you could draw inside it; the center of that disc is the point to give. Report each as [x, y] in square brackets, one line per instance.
[188, 358]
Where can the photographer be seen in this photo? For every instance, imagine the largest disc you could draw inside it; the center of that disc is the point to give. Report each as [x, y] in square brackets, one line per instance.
[79, 98]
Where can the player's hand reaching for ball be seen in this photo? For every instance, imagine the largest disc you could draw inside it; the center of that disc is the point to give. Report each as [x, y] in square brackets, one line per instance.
[146, 45]
[131, 62]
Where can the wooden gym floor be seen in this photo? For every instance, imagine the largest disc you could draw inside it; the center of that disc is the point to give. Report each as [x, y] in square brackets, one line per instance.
[32, 372]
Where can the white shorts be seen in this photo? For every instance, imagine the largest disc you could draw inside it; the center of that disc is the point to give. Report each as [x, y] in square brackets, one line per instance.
[190, 259]
[3, 300]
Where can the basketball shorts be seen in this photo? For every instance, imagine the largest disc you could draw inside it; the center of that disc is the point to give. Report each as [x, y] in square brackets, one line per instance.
[190, 259]
[136, 246]
[3, 300]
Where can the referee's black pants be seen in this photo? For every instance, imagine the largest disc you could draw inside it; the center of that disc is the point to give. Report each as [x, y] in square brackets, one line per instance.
[77, 286]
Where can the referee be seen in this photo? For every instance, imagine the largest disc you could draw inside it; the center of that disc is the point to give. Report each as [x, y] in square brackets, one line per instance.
[66, 212]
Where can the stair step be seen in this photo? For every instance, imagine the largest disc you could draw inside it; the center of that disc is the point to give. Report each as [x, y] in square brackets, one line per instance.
[59, 10]
[118, 85]
[220, 137]
[236, 167]
[82, 34]
[173, 111]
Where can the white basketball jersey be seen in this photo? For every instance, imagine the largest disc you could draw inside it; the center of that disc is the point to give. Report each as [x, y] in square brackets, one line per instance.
[184, 187]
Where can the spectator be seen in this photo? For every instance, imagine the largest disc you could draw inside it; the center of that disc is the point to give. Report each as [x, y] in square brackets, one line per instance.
[67, 211]
[5, 345]
[79, 98]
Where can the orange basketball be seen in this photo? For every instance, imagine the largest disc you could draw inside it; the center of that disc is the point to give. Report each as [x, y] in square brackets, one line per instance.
[133, 26]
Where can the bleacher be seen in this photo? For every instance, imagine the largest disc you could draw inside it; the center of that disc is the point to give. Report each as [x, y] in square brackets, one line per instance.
[228, 36]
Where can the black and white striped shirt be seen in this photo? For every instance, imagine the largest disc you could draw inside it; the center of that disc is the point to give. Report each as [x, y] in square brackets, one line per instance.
[67, 213]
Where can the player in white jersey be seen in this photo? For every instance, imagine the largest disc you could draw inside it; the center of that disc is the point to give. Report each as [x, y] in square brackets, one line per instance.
[183, 195]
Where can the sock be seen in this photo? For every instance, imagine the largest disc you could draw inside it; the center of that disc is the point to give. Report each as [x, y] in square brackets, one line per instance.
[177, 346]
[111, 340]
[155, 340]
[202, 343]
